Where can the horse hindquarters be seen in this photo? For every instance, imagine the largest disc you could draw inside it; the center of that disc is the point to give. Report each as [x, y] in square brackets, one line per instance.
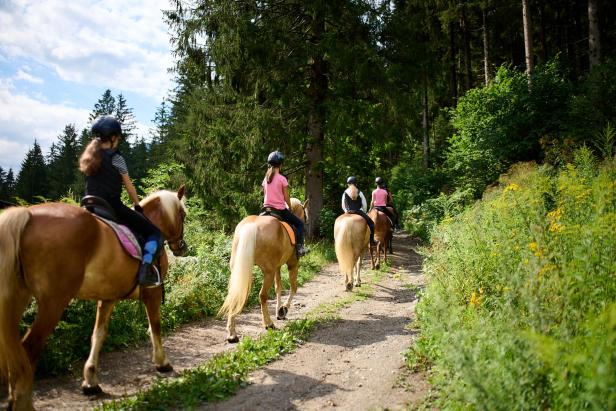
[14, 362]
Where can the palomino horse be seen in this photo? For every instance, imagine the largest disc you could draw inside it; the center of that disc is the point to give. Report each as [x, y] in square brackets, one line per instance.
[55, 252]
[260, 240]
[383, 234]
[352, 238]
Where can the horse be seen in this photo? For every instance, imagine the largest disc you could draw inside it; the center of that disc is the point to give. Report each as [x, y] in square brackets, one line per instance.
[55, 252]
[352, 239]
[383, 234]
[261, 241]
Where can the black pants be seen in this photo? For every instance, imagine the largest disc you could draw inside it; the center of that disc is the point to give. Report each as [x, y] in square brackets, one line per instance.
[137, 223]
[393, 217]
[368, 220]
[292, 219]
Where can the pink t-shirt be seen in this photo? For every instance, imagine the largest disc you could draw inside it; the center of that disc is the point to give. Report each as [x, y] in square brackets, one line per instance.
[274, 194]
[379, 197]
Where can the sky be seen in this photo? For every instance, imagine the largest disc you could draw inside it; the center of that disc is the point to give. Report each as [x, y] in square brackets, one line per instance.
[57, 58]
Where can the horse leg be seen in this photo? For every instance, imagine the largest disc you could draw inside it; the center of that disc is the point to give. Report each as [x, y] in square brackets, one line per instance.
[278, 285]
[20, 370]
[268, 279]
[152, 299]
[293, 268]
[231, 333]
[357, 269]
[90, 384]
[48, 315]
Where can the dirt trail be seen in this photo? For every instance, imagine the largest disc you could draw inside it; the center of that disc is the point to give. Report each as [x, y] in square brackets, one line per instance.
[355, 363]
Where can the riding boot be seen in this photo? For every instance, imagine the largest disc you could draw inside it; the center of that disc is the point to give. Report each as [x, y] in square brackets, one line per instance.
[149, 275]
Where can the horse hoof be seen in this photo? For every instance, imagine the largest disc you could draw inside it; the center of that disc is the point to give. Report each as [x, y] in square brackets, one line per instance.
[378, 266]
[282, 313]
[88, 390]
[270, 327]
[164, 368]
[349, 287]
[358, 285]
[233, 340]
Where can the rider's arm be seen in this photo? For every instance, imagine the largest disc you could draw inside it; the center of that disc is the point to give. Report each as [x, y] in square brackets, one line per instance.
[287, 198]
[363, 202]
[130, 188]
[343, 205]
[372, 200]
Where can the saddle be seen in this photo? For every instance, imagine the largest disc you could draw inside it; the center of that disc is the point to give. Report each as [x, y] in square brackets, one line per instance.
[272, 212]
[391, 223]
[101, 209]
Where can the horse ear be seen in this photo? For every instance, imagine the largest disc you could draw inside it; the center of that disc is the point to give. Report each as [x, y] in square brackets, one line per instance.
[305, 203]
[181, 191]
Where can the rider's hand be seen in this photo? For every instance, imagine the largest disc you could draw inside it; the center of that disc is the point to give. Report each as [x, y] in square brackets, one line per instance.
[138, 208]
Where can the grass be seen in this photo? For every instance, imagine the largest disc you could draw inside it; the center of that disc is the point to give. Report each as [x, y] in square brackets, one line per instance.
[225, 373]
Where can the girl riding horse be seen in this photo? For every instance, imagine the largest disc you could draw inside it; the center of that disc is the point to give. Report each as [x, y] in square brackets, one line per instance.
[106, 171]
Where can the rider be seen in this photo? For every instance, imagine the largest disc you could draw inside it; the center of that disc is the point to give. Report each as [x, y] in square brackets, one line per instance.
[276, 192]
[381, 200]
[106, 171]
[354, 202]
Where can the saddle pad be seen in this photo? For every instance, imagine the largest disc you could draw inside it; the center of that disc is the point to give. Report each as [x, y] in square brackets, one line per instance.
[127, 238]
[289, 231]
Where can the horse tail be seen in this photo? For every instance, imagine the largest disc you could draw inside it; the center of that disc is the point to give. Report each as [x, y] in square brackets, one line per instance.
[13, 358]
[344, 246]
[242, 262]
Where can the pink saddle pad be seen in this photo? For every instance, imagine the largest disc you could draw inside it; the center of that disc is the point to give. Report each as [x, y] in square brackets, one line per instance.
[127, 238]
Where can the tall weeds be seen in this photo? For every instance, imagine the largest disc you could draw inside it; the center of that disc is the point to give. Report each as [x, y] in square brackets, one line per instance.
[520, 312]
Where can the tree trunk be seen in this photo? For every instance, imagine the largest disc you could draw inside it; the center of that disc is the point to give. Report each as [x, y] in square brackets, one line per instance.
[316, 120]
[486, 49]
[425, 126]
[594, 38]
[452, 55]
[466, 40]
[528, 39]
[542, 39]
[578, 37]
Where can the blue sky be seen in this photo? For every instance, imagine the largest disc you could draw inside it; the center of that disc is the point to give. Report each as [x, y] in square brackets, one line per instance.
[57, 57]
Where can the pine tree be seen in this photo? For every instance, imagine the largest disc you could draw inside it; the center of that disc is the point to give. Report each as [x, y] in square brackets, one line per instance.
[3, 188]
[63, 166]
[160, 134]
[106, 105]
[32, 180]
[9, 182]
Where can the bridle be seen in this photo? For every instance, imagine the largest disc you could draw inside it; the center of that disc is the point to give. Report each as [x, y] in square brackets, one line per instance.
[177, 244]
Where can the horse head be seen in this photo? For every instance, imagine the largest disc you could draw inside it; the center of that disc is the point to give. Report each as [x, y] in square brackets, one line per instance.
[167, 211]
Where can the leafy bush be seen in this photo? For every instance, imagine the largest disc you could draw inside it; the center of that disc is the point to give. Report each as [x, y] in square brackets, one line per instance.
[503, 122]
[520, 312]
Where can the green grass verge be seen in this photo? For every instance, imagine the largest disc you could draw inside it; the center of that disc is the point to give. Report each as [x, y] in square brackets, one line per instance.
[221, 376]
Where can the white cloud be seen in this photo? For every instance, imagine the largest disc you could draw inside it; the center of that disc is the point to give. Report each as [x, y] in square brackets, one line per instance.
[111, 44]
[22, 75]
[25, 119]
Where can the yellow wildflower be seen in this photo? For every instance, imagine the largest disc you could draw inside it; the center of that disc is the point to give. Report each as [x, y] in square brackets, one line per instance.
[554, 215]
[511, 187]
[475, 299]
[556, 227]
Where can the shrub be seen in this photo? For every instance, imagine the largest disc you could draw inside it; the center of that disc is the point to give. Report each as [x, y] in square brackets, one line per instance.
[520, 312]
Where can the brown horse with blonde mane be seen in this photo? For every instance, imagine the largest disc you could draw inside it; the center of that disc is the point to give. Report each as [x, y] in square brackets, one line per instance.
[383, 234]
[261, 241]
[352, 239]
[55, 252]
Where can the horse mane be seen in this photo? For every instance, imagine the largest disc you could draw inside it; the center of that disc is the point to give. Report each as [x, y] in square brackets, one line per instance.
[168, 201]
[353, 192]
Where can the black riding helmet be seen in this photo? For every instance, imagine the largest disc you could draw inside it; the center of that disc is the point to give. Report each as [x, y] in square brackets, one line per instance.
[351, 180]
[379, 181]
[275, 158]
[105, 127]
